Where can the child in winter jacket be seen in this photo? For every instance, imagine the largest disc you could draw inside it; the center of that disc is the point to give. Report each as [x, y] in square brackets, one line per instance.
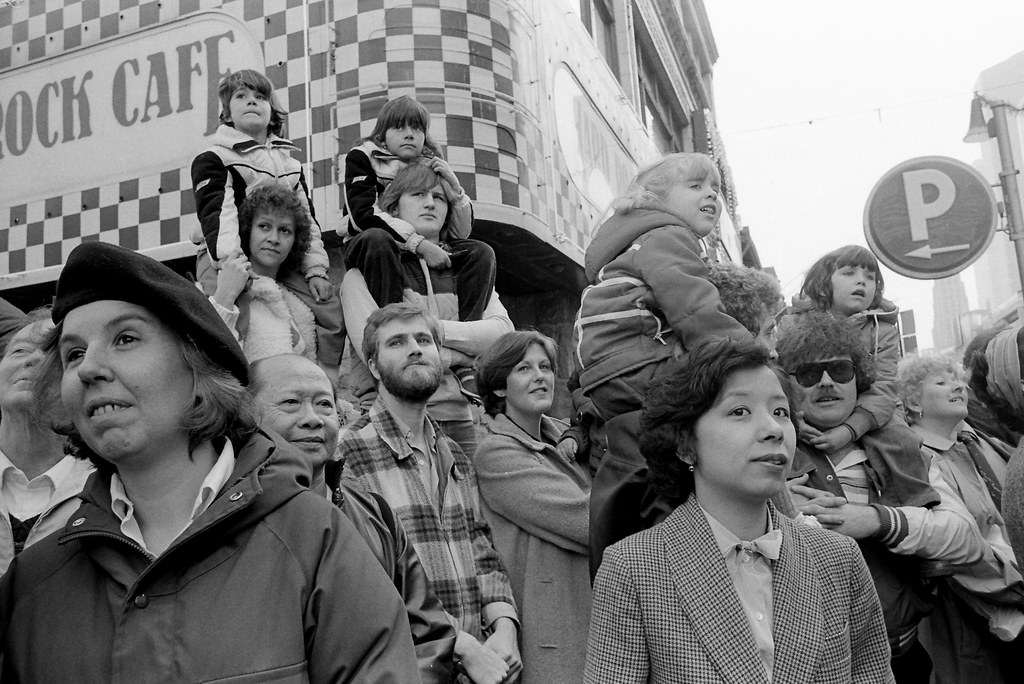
[649, 300]
[248, 153]
[848, 283]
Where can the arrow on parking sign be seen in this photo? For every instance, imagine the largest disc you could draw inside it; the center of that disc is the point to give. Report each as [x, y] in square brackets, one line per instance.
[927, 251]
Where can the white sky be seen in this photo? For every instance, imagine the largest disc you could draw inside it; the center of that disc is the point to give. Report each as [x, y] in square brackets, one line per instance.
[817, 99]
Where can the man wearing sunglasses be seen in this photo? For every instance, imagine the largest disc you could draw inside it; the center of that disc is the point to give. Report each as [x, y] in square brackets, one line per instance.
[850, 491]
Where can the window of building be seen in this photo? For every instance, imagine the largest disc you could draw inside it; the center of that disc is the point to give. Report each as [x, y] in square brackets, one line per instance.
[599, 19]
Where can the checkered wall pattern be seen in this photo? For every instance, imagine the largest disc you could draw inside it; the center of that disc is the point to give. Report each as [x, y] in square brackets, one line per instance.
[462, 58]
[153, 210]
[465, 60]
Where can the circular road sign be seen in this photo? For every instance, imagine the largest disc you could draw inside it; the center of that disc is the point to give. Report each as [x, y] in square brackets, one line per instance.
[930, 217]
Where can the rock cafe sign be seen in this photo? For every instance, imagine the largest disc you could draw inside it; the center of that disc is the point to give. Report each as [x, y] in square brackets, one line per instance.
[930, 217]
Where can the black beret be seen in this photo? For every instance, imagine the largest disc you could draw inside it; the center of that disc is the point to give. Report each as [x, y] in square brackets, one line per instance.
[97, 271]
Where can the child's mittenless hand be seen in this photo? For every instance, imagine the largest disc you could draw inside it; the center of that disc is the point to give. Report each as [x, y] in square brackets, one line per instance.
[232, 279]
[320, 288]
[444, 170]
[832, 440]
[435, 257]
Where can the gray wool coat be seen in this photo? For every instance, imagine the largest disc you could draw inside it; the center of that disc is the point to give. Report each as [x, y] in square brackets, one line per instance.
[538, 506]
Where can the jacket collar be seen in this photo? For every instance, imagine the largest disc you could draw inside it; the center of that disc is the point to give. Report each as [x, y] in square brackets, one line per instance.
[265, 465]
[550, 431]
[701, 579]
[230, 137]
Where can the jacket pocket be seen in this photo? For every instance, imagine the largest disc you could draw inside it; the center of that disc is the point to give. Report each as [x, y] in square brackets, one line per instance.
[288, 674]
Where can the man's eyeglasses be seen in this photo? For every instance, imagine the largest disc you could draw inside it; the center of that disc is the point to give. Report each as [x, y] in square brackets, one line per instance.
[809, 374]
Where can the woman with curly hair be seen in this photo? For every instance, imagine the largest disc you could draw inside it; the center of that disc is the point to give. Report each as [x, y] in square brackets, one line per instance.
[979, 609]
[726, 588]
[266, 316]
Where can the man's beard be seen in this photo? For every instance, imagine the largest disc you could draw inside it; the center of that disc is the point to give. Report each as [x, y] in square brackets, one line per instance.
[412, 383]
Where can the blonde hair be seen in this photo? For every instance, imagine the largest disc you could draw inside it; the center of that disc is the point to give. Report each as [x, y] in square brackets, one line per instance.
[653, 183]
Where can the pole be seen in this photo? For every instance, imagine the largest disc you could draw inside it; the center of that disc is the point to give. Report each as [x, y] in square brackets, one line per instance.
[1011, 193]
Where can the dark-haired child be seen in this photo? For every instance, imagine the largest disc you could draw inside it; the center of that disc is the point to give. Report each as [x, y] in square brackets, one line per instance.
[376, 239]
[247, 152]
[848, 283]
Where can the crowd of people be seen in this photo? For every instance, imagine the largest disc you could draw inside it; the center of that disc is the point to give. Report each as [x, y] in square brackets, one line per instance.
[199, 482]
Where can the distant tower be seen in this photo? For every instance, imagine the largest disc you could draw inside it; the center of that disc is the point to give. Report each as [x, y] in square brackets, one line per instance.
[949, 302]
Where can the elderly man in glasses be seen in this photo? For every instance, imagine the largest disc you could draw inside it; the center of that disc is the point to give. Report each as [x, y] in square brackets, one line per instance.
[847, 491]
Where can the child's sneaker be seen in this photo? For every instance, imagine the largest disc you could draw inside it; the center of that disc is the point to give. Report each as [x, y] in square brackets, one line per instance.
[466, 377]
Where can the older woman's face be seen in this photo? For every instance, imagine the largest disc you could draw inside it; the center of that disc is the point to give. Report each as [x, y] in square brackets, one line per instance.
[943, 397]
[19, 365]
[125, 383]
[745, 441]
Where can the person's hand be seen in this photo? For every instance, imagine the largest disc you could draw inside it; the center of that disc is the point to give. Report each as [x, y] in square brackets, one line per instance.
[567, 448]
[232, 278]
[482, 665]
[805, 431]
[449, 181]
[435, 257]
[832, 440]
[857, 521]
[835, 512]
[504, 641]
[320, 288]
[802, 495]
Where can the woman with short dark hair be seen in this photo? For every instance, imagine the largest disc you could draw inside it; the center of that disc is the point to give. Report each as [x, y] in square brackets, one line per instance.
[199, 553]
[537, 504]
[726, 588]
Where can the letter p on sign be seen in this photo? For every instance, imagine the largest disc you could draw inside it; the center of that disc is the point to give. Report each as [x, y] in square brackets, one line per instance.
[920, 209]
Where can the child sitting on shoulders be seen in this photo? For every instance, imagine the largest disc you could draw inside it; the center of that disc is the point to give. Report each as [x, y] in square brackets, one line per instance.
[848, 283]
[247, 152]
[649, 301]
[377, 239]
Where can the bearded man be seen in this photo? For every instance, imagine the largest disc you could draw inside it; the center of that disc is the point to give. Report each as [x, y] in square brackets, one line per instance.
[397, 451]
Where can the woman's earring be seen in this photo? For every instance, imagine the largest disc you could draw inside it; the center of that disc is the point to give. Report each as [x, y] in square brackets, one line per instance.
[689, 467]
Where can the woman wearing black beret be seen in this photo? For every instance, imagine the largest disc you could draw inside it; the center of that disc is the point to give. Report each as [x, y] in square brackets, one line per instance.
[198, 553]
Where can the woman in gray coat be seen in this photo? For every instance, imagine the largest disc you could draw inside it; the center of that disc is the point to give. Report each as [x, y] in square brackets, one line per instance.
[537, 503]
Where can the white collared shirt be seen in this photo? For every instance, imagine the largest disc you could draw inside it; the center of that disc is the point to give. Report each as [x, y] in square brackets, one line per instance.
[24, 498]
[751, 575]
[124, 509]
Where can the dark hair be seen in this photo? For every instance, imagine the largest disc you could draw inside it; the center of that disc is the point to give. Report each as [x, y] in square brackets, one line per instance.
[819, 335]
[276, 199]
[400, 311]
[250, 78]
[679, 397]
[494, 365]
[818, 282]
[977, 369]
[399, 112]
[221, 406]
[415, 177]
[747, 294]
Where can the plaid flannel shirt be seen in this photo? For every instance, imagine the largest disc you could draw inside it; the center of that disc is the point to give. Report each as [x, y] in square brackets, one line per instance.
[454, 544]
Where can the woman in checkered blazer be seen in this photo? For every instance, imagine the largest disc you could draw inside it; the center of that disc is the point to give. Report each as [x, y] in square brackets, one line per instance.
[727, 589]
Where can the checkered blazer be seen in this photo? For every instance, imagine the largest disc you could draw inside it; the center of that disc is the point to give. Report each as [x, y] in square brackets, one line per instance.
[665, 610]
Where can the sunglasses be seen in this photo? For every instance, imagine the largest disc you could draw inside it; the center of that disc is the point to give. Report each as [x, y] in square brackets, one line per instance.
[809, 374]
